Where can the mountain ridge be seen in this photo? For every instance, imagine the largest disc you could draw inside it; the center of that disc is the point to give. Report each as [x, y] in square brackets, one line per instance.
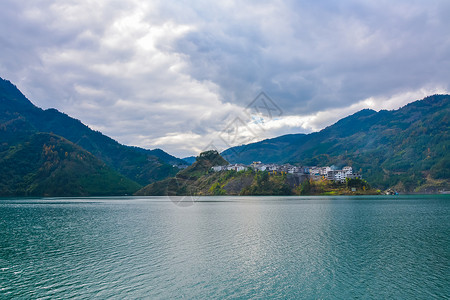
[404, 148]
[140, 165]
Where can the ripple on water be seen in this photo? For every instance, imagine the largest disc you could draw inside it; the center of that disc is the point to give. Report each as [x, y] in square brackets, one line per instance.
[254, 248]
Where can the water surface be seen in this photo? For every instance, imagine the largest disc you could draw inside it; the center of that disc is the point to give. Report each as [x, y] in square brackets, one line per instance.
[226, 247]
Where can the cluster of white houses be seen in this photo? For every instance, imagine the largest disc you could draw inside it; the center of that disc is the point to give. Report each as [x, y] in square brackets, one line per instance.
[315, 173]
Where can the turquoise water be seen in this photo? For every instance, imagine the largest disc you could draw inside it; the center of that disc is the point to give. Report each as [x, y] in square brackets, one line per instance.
[222, 247]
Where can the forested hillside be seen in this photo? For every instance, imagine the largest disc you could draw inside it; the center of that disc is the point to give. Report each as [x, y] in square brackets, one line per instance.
[23, 118]
[406, 148]
[49, 165]
[199, 179]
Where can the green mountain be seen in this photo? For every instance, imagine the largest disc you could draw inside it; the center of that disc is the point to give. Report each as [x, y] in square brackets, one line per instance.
[199, 179]
[185, 182]
[23, 119]
[189, 160]
[406, 149]
[44, 164]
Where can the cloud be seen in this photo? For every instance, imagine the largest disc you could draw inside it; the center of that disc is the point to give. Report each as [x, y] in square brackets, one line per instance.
[321, 53]
[320, 119]
[174, 75]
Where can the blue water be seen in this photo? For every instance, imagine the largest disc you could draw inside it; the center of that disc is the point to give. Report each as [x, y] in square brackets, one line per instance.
[395, 247]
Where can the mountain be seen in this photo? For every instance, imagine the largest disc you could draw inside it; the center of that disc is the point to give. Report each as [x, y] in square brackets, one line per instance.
[48, 165]
[406, 148]
[189, 160]
[140, 165]
[185, 182]
[199, 179]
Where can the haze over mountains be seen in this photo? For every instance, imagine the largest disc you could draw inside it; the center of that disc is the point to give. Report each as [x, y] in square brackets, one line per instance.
[46, 152]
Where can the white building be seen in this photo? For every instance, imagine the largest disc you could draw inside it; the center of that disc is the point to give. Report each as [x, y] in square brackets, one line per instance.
[324, 171]
[218, 168]
[262, 168]
[258, 166]
[314, 171]
[341, 175]
[347, 170]
[295, 170]
[237, 167]
[272, 167]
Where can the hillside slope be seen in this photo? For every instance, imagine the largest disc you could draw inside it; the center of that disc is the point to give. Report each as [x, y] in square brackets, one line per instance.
[199, 179]
[49, 165]
[406, 148]
[140, 165]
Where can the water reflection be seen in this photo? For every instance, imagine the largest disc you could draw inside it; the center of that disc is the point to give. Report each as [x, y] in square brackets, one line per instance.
[248, 247]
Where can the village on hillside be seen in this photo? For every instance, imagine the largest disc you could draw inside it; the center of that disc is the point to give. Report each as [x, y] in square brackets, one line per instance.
[314, 173]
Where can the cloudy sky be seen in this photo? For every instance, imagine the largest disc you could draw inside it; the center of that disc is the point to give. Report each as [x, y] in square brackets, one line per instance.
[186, 75]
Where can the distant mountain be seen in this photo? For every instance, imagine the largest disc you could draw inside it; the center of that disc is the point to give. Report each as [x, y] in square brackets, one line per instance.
[190, 160]
[407, 149]
[24, 119]
[48, 165]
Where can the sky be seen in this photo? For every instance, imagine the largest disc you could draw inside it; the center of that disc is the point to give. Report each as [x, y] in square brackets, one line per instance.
[186, 76]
